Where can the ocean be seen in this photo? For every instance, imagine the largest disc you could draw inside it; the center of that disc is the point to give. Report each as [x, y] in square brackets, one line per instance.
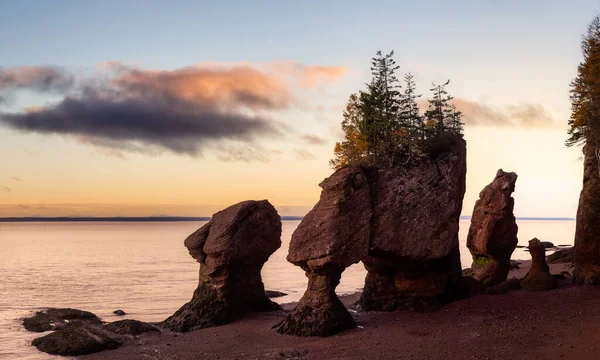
[144, 269]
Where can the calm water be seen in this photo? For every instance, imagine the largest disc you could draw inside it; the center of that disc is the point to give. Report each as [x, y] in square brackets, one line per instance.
[144, 269]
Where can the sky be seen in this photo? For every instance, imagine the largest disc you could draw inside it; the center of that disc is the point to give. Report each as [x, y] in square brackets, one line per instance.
[128, 108]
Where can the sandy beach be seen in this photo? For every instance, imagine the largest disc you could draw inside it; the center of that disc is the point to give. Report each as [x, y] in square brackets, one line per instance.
[558, 324]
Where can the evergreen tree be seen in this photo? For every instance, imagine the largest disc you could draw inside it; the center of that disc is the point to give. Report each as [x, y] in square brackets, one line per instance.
[411, 120]
[585, 93]
[438, 110]
[354, 150]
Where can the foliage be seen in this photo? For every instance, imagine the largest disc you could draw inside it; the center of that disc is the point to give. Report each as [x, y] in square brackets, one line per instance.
[585, 92]
[384, 126]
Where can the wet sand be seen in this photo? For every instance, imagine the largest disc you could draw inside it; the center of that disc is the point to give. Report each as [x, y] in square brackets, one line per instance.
[558, 324]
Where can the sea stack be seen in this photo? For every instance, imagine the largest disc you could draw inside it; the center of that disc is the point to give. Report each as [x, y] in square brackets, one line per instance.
[332, 236]
[492, 235]
[231, 249]
[538, 278]
[587, 232]
[414, 257]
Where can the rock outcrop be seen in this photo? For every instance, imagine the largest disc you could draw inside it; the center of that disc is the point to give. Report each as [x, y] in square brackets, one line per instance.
[231, 249]
[55, 318]
[492, 235]
[562, 256]
[414, 258]
[77, 340]
[538, 278]
[587, 232]
[332, 236]
[401, 222]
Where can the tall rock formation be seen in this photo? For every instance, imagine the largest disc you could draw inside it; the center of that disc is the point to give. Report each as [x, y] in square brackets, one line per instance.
[401, 222]
[231, 249]
[332, 236]
[414, 258]
[492, 236]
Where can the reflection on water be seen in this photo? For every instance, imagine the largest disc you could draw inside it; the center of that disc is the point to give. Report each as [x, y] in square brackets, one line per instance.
[144, 269]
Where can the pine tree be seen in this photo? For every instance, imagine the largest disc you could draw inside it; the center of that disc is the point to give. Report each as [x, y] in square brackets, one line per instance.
[354, 150]
[585, 92]
[410, 117]
[438, 109]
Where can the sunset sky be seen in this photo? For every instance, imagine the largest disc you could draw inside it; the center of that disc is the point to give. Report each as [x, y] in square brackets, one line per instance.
[130, 108]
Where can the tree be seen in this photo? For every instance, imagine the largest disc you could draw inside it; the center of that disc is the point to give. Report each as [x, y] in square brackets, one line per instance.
[354, 150]
[439, 108]
[585, 93]
[410, 115]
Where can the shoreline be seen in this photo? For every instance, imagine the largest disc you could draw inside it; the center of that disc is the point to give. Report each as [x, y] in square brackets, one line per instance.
[556, 324]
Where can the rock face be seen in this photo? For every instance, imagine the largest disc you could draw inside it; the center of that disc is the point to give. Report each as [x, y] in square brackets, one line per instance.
[587, 233]
[76, 340]
[231, 249]
[538, 278]
[414, 258]
[53, 318]
[401, 222]
[332, 236]
[492, 235]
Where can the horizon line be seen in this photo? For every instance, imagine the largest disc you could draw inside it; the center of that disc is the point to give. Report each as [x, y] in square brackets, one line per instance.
[194, 218]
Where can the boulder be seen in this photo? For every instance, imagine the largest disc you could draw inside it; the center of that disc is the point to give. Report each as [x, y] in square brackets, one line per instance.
[547, 244]
[231, 249]
[54, 318]
[119, 312]
[130, 327]
[274, 294]
[332, 236]
[563, 256]
[414, 258]
[587, 231]
[76, 340]
[492, 236]
[538, 278]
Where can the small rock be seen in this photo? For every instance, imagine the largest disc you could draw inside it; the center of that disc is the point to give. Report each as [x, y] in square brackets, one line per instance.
[119, 312]
[55, 318]
[76, 340]
[538, 278]
[274, 294]
[130, 327]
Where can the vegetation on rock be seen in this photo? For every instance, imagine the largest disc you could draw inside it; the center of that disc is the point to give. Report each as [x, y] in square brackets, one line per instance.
[384, 127]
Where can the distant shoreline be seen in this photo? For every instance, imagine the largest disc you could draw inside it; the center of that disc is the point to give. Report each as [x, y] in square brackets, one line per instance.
[119, 219]
[184, 218]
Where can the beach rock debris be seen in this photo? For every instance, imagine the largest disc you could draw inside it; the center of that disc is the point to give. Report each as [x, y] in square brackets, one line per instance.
[56, 318]
[538, 278]
[130, 327]
[274, 294]
[492, 236]
[231, 249]
[119, 312]
[401, 222]
[77, 340]
[587, 230]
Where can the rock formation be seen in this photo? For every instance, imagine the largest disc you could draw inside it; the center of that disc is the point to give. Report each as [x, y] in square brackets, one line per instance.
[414, 258]
[55, 318]
[130, 327]
[587, 233]
[538, 277]
[492, 235]
[401, 222]
[231, 249]
[77, 340]
[332, 236]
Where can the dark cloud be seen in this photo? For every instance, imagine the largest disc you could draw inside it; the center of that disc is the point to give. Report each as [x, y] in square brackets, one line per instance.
[142, 124]
[313, 139]
[522, 115]
[36, 78]
[183, 111]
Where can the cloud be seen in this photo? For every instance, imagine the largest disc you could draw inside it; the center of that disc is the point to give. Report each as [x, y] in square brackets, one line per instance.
[35, 78]
[182, 111]
[313, 139]
[16, 178]
[244, 154]
[5, 189]
[310, 76]
[522, 115]
[304, 155]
